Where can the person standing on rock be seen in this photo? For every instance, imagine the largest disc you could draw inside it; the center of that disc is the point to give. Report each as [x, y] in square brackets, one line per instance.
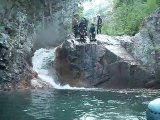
[75, 26]
[99, 24]
[82, 33]
[86, 23]
[82, 24]
[82, 30]
[92, 32]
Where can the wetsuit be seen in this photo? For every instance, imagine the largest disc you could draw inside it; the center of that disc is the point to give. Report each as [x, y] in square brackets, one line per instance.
[99, 25]
[75, 27]
[82, 33]
[92, 32]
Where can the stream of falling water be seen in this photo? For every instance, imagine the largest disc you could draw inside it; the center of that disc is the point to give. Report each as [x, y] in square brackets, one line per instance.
[42, 61]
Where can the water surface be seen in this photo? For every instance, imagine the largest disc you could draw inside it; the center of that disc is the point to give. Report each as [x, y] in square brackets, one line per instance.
[94, 104]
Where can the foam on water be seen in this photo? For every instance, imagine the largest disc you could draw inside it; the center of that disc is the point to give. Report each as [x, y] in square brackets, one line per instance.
[42, 60]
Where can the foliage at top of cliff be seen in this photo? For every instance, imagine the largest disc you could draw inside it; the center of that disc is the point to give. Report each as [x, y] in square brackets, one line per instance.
[127, 16]
[120, 16]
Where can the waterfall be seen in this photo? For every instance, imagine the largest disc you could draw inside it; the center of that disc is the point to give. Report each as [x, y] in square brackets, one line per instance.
[42, 61]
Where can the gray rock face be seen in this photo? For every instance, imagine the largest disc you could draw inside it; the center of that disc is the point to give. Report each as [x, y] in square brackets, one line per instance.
[103, 64]
[56, 18]
[147, 43]
[15, 59]
[26, 25]
[146, 47]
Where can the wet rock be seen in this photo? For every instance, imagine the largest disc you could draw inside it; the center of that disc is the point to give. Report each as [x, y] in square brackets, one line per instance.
[34, 74]
[37, 83]
[104, 64]
[153, 84]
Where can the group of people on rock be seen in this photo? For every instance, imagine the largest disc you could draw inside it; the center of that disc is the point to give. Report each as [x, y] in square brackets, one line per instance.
[81, 28]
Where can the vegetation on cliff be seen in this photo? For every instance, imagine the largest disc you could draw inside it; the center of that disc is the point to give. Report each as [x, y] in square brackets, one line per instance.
[127, 16]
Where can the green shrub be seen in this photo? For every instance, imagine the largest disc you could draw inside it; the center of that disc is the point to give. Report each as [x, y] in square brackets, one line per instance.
[128, 15]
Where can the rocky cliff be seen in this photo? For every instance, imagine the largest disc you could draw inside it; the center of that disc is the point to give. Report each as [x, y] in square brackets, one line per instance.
[26, 25]
[113, 62]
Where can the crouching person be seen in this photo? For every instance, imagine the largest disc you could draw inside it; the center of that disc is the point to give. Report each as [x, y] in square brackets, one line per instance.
[92, 33]
[82, 35]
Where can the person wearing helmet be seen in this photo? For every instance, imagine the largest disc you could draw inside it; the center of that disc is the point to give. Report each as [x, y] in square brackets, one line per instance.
[99, 24]
[82, 30]
[92, 32]
[82, 24]
[75, 26]
[86, 23]
[82, 33]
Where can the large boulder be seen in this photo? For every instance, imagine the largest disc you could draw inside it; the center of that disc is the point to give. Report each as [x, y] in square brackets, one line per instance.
[146, 44]
[105, 63]
[146, 47]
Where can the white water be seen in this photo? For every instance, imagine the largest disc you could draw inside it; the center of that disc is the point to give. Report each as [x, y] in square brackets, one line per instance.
[42, 60]
[39, 60]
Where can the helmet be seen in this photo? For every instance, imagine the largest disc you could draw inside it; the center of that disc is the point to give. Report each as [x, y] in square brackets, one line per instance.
[75, 14]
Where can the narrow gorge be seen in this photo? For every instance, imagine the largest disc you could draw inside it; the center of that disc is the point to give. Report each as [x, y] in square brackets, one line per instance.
[48, 74]
[111, 62]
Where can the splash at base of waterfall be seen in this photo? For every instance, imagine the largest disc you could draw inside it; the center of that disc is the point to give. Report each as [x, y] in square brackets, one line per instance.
[42, 62]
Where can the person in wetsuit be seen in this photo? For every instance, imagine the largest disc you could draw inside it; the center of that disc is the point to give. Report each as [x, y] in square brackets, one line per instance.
[75, 26]
[92, 32]
[82, 33]
[99, 24]
[86, 23]
[82, 30]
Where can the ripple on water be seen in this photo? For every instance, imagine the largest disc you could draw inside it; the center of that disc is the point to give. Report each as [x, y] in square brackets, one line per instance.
[89, 105]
